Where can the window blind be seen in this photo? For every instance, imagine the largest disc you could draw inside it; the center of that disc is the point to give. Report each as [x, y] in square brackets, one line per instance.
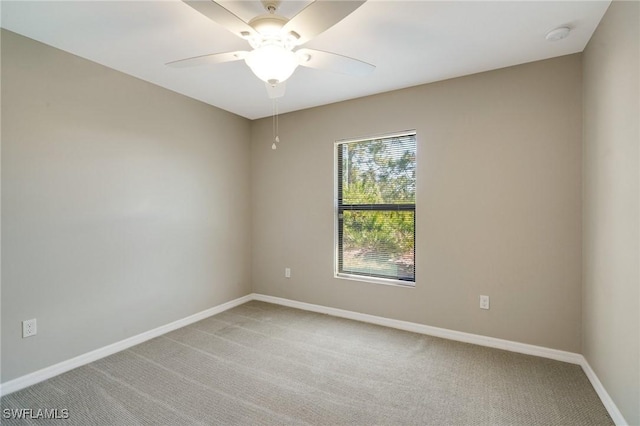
[376, 187]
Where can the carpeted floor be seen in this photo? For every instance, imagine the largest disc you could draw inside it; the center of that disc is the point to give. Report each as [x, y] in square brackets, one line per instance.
[263, 364]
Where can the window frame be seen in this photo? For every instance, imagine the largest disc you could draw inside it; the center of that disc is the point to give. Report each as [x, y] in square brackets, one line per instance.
[339, 207]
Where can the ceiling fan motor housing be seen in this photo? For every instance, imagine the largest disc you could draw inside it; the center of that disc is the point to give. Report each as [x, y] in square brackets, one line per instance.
[269, 27]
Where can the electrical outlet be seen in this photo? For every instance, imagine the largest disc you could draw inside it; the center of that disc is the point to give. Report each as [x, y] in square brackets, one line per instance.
[484, 302]
[29, 328]
[287, 272]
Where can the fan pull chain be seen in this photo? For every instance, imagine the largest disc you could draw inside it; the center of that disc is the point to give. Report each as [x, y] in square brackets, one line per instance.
[276, 139]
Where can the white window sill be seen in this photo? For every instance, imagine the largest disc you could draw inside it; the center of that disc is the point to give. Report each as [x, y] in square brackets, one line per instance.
[375, 280]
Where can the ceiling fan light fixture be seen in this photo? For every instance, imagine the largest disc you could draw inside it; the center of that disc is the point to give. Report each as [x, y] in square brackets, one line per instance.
[272, 63]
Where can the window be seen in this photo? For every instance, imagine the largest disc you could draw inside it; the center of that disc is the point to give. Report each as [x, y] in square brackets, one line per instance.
[376, 208]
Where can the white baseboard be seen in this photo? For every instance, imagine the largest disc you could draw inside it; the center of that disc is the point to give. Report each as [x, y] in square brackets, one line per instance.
[608, 403]
[570, 357]
[476, 339]
[64, 366]
[459, 336]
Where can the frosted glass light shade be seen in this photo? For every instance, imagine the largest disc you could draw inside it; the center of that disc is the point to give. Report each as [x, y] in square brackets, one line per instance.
[272, 63]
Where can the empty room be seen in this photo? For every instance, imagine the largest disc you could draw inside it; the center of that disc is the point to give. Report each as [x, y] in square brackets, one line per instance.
[320, 212]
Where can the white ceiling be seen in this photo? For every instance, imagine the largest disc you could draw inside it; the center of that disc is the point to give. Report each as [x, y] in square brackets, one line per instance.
[410, 42]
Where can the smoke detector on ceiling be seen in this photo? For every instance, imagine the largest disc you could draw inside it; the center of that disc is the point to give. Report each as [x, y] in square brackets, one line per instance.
[558, 34]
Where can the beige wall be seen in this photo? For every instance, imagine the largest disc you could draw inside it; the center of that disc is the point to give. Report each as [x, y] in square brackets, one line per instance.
[611, 233]
[124, 205]
[498, 203]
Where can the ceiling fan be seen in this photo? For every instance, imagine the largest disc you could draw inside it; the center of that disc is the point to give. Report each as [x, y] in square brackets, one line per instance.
[273, 39]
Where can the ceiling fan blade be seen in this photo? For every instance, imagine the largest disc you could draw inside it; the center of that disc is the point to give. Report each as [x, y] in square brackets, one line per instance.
[320, 16]
[333, 62]
[215, 58]
[276, 91]
[222, 16]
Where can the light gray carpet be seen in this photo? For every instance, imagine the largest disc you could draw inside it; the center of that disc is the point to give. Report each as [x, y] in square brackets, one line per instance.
[266, 364]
